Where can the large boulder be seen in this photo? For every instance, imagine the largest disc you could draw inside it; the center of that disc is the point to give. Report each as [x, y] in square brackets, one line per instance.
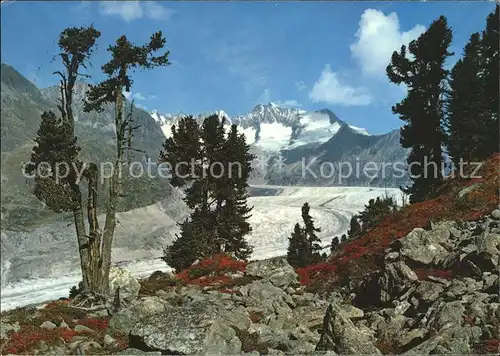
[340, 335]
[126, 318]
[129, 286]
[266, 297]
[426, 246]
[277, 271]
[193, 329]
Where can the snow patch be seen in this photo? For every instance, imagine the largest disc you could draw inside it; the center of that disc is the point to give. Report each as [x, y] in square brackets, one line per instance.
[360, 130]
[274, 136]
[316, 129]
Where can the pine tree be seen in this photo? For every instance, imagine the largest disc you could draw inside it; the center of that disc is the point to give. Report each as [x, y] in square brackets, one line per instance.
[343, 238]
[375, 211]
[490, 40]
[237, 166]
[355, 228]
[299, 250]
[335, 244]
[465, 106]
[422, 109]
[310, 231]
[216, 192]
[56, 146]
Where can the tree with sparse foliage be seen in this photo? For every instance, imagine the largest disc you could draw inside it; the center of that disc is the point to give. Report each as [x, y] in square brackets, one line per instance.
[56, 144]
[125, 58]
[310, 231]
[422, 109]
[216, 189]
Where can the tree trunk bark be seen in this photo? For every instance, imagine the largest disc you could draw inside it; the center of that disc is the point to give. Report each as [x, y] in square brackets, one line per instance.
[114, 191]
[83, 241]
[95, 240]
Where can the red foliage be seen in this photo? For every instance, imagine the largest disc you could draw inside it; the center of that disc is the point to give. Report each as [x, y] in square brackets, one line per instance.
[395, 226]
[210, 271]
[95, 323]
[317, 271]
[493, 346]
[57, 303]
[28, 338]
[399, 224]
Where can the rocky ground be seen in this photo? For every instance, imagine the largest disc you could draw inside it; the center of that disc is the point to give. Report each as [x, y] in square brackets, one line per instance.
[424, 281]
[437, 292]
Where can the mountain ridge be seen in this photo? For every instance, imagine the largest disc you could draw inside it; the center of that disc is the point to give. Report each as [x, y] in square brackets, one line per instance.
[289, 135]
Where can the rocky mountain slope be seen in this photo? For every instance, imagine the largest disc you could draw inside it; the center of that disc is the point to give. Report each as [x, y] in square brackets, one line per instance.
[435, 292]
[22, 104]
[295, 147]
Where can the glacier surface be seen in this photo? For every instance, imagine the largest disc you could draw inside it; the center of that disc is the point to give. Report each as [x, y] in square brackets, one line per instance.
[276, 210]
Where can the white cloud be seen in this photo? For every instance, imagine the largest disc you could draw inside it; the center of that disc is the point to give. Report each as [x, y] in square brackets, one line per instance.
[330, 89]
[156, 11]
[378, 36]
[133, 10]
[138, 96]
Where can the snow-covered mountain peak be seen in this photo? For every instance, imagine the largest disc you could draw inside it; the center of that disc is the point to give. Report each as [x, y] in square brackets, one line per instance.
[270, 127]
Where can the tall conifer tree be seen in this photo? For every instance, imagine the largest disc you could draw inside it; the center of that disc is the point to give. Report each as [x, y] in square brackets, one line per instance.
[422, 110]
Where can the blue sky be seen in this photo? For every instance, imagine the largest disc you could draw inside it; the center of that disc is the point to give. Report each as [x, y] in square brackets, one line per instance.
[233, 55]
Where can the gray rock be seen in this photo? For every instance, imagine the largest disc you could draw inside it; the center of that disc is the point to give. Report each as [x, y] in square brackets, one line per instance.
[63, 325]
[132, 351]
[125, 319]
[277, 271]
[119, 277]
[48, 325]
[463, 286]
[264, 295]
[190, 329]
[428, 346]
[83, 328]
[273, 337]
[405, 338]
[425, 246]
[352, 312]
[487, 244]
[6, 328]
[340, 335]
[221, 339]
[397, 278]
[238, 318]
[428, 291]
[452, 312]
[495, 214]
[109, 340]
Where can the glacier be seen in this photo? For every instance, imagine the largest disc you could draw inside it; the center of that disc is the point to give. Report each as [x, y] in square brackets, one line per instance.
[276, 210]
